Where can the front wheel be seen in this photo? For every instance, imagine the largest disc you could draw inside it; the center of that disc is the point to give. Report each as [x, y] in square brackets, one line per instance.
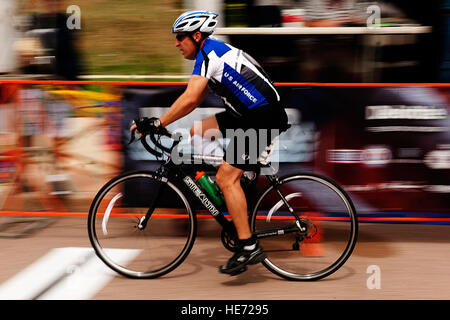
[331, 227]
[129, 243]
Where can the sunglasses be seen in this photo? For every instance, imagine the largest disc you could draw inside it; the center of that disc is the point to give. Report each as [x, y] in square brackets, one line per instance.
[180, 37]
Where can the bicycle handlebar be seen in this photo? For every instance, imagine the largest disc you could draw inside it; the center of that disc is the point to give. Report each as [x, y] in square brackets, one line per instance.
[161, 132]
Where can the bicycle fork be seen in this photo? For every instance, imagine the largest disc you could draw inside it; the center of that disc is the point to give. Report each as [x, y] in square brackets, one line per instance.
[144, 219]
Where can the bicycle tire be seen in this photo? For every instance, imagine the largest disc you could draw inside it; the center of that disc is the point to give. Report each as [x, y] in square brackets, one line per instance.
[125, 199]
[330, 213]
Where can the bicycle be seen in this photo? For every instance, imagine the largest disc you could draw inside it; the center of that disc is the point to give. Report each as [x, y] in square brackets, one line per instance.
[305, 222]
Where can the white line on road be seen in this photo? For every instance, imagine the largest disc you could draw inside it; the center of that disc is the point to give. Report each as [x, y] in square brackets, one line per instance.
[64, 274]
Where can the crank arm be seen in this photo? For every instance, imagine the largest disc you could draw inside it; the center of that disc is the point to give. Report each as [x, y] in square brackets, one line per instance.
[265, 233]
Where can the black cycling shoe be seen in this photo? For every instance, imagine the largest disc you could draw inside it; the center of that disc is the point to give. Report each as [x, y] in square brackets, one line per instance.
[239, 261]
[235, 273]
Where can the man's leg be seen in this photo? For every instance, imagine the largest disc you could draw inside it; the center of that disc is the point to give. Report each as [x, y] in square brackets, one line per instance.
[205, 136]
[229, 180]
[204, 127]
[249, 251]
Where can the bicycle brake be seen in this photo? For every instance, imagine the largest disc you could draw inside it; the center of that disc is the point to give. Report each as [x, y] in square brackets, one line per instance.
[133, 137]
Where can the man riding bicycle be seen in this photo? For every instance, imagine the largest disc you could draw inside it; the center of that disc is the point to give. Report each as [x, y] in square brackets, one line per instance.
[252, 103]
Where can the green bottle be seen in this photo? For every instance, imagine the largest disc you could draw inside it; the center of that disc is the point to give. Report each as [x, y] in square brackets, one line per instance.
[210, 187]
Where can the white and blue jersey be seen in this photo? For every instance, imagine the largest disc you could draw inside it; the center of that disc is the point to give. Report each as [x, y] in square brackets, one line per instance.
[235, 76]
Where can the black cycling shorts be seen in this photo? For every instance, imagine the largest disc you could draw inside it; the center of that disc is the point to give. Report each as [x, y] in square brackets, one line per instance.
[251, 137]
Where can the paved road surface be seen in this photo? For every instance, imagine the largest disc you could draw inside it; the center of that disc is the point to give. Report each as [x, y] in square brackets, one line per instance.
[412, 260]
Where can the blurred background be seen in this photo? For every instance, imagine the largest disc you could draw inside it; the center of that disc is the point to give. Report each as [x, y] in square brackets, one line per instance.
[133, 37]
[389, 146]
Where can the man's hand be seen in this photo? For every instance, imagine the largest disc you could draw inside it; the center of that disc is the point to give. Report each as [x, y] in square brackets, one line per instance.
[146, 125]
[134, 127]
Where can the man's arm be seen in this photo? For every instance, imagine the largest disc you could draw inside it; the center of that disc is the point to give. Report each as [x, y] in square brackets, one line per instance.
[194, 94]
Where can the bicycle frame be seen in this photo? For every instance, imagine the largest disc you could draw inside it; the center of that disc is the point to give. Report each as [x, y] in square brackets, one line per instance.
[218, 214]
[206, 201]
[169, 168]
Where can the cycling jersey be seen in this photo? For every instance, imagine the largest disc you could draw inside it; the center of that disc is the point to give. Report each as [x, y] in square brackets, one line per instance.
[234, 76]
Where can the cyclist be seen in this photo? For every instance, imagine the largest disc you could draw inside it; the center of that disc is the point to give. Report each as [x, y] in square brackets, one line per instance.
[251, 102]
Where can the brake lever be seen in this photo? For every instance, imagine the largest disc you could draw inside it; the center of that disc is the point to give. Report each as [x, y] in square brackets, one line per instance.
[148, 148]
[159, 145]
[144, 143]
[133, 137]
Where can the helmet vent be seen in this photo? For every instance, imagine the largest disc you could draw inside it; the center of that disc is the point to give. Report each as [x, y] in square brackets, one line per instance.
[192, 21]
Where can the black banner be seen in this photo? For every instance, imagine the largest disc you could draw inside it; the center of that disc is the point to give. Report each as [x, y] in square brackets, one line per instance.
[389, 147]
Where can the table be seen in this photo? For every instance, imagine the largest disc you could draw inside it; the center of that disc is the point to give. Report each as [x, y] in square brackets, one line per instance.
[324, 30]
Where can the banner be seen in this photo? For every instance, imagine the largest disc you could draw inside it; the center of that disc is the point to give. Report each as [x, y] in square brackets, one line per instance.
[389, 147]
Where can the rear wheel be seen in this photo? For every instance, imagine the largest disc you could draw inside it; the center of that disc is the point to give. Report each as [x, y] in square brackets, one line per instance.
[331, 223]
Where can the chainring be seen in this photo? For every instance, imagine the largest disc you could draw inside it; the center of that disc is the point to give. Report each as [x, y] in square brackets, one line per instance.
[229, 237]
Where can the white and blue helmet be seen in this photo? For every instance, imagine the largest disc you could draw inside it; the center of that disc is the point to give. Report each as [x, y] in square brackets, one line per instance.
[193, 21]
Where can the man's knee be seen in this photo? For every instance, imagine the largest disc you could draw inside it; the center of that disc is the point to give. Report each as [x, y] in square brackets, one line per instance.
[207, 128]
[196, 129]
[228, 176]
[221, 179]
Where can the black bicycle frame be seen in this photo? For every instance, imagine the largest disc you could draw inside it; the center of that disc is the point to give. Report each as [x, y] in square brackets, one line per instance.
[209, 205]
[197, 191]
[176, 171]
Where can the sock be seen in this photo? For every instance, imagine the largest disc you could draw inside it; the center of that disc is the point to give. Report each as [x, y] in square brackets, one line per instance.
[250, 175]
[250, 248]
[248, 244]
